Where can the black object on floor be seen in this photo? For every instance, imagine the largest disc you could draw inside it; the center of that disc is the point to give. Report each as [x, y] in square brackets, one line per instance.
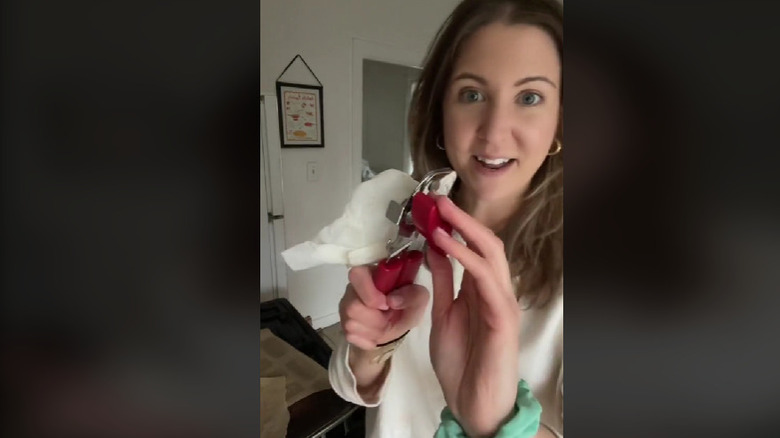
[323, 410]
[286, 323]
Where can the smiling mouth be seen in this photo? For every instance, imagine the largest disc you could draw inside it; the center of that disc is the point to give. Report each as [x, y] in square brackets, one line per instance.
[494, 163]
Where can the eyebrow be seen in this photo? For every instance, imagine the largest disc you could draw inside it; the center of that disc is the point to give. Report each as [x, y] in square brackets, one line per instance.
[525, 80]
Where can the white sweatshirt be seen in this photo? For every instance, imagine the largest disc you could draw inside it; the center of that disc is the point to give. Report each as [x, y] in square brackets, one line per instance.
[411, 400]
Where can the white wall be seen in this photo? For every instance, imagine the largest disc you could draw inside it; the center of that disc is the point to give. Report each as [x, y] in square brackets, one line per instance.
[323, 32]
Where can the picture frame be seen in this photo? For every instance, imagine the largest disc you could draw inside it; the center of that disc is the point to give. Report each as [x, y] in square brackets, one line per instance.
[301, 119]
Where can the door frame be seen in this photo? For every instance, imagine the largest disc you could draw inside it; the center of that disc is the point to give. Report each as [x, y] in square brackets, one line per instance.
[364, 49]
[271, 175]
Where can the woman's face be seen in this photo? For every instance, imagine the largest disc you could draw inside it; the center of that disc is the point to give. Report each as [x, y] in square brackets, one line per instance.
[501, 109]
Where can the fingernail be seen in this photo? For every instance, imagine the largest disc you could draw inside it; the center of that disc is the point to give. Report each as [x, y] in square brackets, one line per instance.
[395, 300]
[384, 306]
[440, 232]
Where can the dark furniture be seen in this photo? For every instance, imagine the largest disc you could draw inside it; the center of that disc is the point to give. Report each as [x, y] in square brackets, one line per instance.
[323, 414]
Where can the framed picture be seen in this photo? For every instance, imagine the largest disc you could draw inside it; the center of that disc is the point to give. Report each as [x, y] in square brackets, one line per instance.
[300, 115]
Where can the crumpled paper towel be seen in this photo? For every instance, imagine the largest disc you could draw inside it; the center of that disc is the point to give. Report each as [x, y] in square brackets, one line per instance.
[360, 235]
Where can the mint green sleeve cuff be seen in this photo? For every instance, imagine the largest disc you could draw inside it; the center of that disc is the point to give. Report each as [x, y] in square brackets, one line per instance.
[523, 424]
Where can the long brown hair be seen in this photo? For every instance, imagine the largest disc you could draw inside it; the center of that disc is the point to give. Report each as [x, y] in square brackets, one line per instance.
[533, 239]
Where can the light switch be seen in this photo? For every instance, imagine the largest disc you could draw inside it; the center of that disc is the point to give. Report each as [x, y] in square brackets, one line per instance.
[312, 172]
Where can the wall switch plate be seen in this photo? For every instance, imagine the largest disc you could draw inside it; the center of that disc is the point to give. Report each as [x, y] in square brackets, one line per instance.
[312, 171]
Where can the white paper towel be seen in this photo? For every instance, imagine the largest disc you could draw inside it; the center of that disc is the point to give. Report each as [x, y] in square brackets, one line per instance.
[360, 235]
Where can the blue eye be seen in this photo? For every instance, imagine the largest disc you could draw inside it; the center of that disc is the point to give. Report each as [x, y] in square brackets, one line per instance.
[530, 99]
[470, 96]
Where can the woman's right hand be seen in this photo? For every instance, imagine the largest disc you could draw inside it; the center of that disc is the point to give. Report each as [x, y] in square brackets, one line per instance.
[370, 318]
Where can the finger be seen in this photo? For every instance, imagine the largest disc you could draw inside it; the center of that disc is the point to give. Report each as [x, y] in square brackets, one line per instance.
[407, 304]
[443, 292]
[477, 236]
[360, 342]
[353, 327]
[409, 297]
[469, 291]
[477, 267]
[360, 277]
[352, 308]
[481, 237]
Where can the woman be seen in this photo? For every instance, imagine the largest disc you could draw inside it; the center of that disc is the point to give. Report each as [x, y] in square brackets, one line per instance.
[488, 106]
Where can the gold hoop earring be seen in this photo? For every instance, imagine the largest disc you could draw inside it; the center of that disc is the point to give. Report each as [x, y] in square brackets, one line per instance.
[558, 148]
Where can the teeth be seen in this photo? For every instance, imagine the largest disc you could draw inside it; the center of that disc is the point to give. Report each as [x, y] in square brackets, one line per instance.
[496, 162]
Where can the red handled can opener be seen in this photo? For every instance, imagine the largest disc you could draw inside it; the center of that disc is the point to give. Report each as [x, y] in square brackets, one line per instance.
[416, 218]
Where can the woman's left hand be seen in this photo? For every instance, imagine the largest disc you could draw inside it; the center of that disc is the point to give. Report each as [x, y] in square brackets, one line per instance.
[474, 342]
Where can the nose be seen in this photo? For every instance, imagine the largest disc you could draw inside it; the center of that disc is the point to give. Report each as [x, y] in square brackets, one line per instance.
[497, 122]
